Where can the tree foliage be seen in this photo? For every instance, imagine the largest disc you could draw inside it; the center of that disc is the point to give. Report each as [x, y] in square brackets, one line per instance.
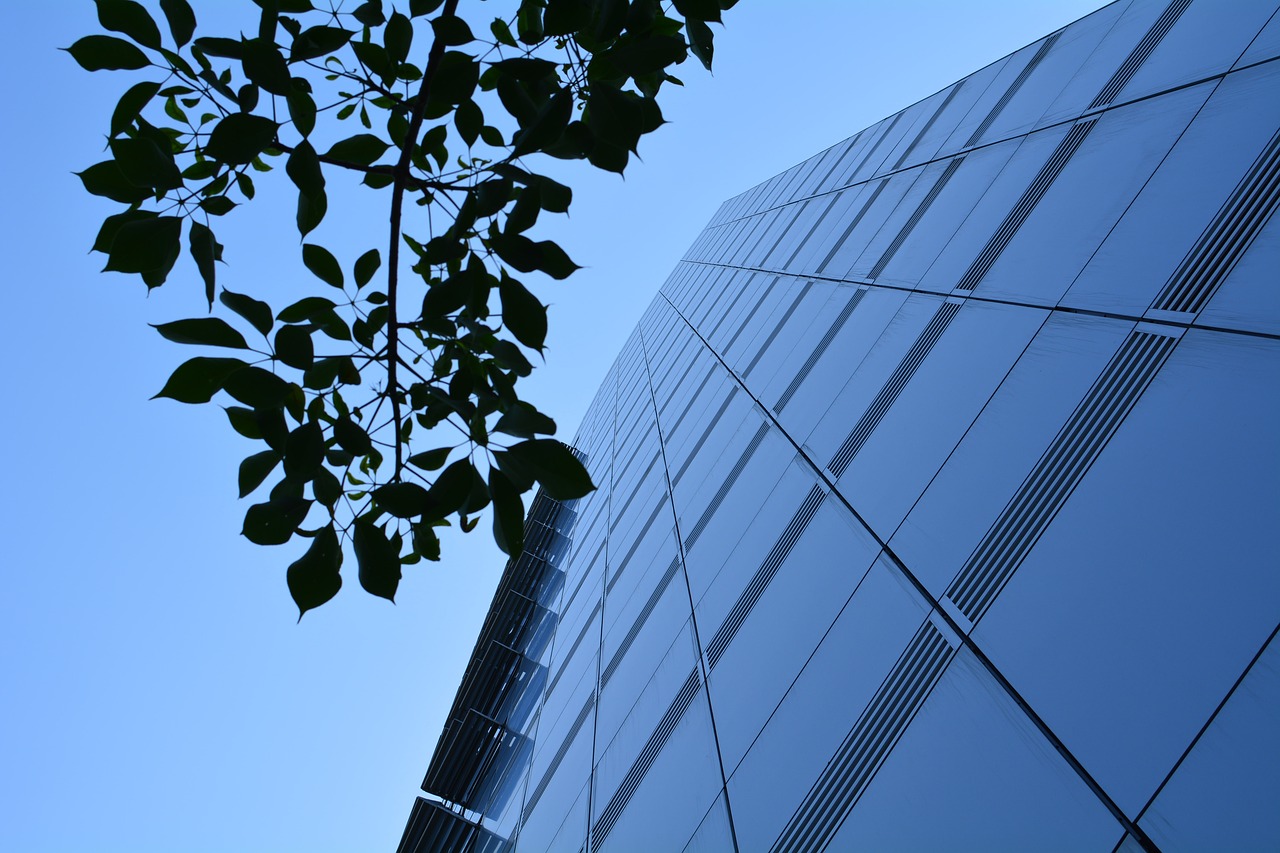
[385, 402]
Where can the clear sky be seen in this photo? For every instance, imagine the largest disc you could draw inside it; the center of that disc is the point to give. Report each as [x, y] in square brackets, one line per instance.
[157, 693]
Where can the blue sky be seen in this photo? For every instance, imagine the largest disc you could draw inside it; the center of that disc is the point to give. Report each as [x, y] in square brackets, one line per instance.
[158, 694]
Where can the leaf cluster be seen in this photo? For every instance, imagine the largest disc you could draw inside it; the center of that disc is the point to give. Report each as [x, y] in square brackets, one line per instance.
[343, 389]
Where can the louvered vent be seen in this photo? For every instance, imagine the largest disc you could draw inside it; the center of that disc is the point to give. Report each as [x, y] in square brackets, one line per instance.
[898, 380]
[928, 125]
[1014, 87]
[1056, 474]
[819, 350]
[734, 474]
[1139, 54]
[649, 754]
[1228, 237]
[432, 828]
[1030, 198]
[760, 581]
[925, 203]
[846, 776]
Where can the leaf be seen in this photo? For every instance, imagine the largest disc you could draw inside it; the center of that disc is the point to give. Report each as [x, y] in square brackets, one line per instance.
[303, 168]
[547, 126]
[451, 30]
[107, 53]
[369, 13]
[352, 437]
[257, 313]
[204, 251]
[362, 149]
[130, 105]
[508, 513]
[305, 309]
[218, 205]
[240, 137]
[254, 469]
[105, 179]
[315, 42]
[146, 245]
[265, 66]
[323, 265]
[314, 577]
[468, 118]
[302, 109]
[197, 380]
[130, 18]
[182, 20]
[273, 522]
[554, 262]
[257, 388]
[294, 346]
[398, 37]
[502, 32]
[418, 8]
[403, 500]
[205, 331]
[554, 466]
[366, 266]
[379, 560]
[304, 452]
[522, 313]
[326, 487]
[112, 225]
[524, 421]
[700, 41]
[702, 10]
[430, 460]
[222, 47]
[453, 487]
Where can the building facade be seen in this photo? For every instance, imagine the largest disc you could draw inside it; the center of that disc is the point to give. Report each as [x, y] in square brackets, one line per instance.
[939, 492]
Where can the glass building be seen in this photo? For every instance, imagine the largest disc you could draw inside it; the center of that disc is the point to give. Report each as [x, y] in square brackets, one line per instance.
[939, 495]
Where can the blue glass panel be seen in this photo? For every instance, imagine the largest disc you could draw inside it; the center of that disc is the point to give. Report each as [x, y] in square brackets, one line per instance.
[1249, 299]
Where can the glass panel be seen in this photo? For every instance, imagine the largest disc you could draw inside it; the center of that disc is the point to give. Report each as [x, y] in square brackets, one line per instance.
[1089, 195]
[1008, 438]
[1109, 34]
[823, 703]
[1147, 244]
[1249, 298]
[1224, 794]
[1173, 526]
[1203, 42]
[1265, 46]
[714, 835]
[989, 778]
[931, 415]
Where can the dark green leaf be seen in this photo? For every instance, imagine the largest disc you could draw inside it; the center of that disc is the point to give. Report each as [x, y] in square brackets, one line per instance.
[398, 37]
[305, 309]
[468, 119]
[522, 313]
[403, 500]
[240, 137]
[524, 421]
[254, 469]
[130, 105]
[352, 437]
[182, 21]
[223, 47]
[369, 13]
[452, 488]
[243, 421]
[257, 313]
[430, 460]
[204, 250]
[426, 542]
[313, 578]
[547, 126]
[323, 265]
[700, 41]
[326, 487]
[112, 224]
[265, 66]
[146, 246]
[294, 346]
[105, 179]
[451, 30]
[130, 18]
[379, 559]
[418, 8]
[315, 42]
[107, 53]
[455, 82]
[273, 522]
[508, 513]
[205, 331]
[701, 10]
[217, 205]
[197, 380]
[362, 149]
[502, 32]
[366, 265]
[302, 109]
[304, 452]
[257, 388]
[554, 466]
[303, 168]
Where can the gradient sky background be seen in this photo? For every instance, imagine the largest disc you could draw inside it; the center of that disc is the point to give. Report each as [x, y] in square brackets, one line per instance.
[157, 693]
